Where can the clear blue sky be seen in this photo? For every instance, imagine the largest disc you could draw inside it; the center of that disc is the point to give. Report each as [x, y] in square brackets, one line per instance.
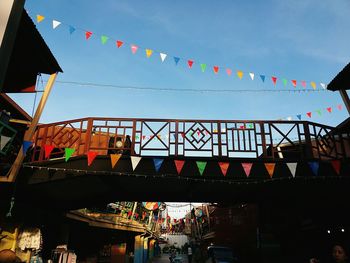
[303, 40]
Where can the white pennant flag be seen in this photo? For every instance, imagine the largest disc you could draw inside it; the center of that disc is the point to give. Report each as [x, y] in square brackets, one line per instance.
[323, 85]
[292, 168]
[251, 75]
[3, 141]
[162, 56]
[135, 161]
[289, 118]
[55, 23]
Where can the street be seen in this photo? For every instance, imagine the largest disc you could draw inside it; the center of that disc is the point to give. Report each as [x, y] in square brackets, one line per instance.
[165, 258]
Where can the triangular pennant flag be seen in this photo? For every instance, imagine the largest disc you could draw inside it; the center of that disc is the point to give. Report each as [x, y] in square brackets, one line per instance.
[190, 63]
[303, 83]
[157, 163]
[340, 107]
[240, 74]
[149, 52]
[115, 158]
[274, 80]
[71, 29]
[68, 153]
[319, 112]
[26, 145]
[3, 141]
[55, 24]
[336, 166]
[329, 109]
[39, 18]
[119, 43]
[176, 59]
[135, 161]
[216, 69]
[247, 168]
[179, 165]
[48, 149]
[201, 166]
[314, 167]
[313, 84]
[134, 48]
[292, 168]
[162, 56]
[203, 67]
[270, 167]
[309, 114]
[104, 39]
[324, 86]
[224, 167]
[289, 118]
[262, 78]
[299, 117]
[294, 82]
[229, 71]
[88, 34]
[285, 81]
[251, 74]
[91, 157]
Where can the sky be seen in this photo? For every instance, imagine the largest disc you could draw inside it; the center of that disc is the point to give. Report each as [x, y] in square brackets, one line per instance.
[303, 40]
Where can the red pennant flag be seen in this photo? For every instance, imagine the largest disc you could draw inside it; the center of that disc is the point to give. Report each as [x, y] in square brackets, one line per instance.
[229, 71]
[88, 34]
[303, 83]
[329, 109]
[190, 63]
[48, 149]
[336, 166]
[294, 82]
[247, 168]
[179, 165]
[308, 114]
[224, 167]
[274, 80]
[119, 43]
[216, 69]
[91, 157]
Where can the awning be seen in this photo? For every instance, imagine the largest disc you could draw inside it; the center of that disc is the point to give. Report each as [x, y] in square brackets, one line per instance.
[341, 81]
[30, 56]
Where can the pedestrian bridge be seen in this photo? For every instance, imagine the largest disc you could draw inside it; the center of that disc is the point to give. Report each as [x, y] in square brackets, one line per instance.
[91, 160]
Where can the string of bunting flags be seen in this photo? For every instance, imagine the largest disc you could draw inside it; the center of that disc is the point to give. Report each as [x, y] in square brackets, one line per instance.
[134, 48]
[179, 164]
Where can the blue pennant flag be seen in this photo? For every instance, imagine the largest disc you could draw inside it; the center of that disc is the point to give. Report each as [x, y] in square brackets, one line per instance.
[299, 117]
[157, 163]
[314, 167]
[262, 78]
[26, 145]
[71, 29]
[176, 59]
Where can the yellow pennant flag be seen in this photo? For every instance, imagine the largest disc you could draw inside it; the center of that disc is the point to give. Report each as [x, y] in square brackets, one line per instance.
[313, 85]
[115, 158]
[240, 74]
[149, 52]
[270, 167]
[39, 18]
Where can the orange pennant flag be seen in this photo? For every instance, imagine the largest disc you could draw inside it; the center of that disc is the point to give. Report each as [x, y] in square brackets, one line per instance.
[114, 159]
[224, 167]
[91, 157]
[39, 18]
[294, 82]
[247, 168]
[336, 166]
[179, 165]
[48, 149]
[270, 167]
[240, 74]
[149, 52]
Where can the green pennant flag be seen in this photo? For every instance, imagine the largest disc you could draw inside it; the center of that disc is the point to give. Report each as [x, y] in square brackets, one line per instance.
[203, 67]
[319, 112]
[68, 153]
[285, 82]
[201, 166]
[104, 39]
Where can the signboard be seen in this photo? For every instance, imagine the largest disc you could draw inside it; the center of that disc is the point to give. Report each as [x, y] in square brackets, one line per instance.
[151, 205]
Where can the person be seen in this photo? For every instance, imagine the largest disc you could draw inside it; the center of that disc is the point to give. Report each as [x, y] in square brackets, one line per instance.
[339, 255]
[189, 254]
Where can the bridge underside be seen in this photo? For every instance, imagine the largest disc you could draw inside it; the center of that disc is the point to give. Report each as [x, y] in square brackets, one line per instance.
[74, 184]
